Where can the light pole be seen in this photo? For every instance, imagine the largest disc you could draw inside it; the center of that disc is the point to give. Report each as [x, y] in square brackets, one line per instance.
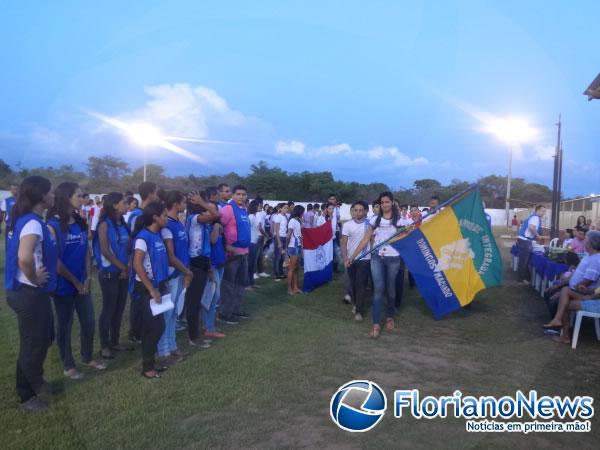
[508, 181]
[514, 132]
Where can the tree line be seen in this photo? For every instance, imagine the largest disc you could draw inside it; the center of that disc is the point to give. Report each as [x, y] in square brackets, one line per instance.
[109, 173]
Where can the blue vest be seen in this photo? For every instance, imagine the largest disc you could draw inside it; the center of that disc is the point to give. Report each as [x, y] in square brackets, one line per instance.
[243, 226]
[10, 201]
[49, 253]
[180, 243]
[159, 259]
[525, 225]
[217, 251]
[118, 237]
[137, 212]
[72, 252]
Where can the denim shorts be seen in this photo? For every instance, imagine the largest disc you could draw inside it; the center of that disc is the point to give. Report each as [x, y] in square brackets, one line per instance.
[592, 306]
[293, 251]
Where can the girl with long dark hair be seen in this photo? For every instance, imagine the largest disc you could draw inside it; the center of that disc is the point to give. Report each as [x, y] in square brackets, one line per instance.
[30, 277]
[180, 276]
[111, 252]
[386, 262]
[151, 270]
[294, 247]
[200, 213]
[74, 276]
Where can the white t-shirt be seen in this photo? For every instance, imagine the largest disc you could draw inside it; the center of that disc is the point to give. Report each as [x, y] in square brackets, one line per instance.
[32, 227]
[283, 224]
[356, 232]
[533, 220]
[384, 231]
[195, 238]
[296, 236]
[95, 217]
[140, 244]
[319, 220]
[165, 233]
[254, 228]
[126, 217]
[262, 218]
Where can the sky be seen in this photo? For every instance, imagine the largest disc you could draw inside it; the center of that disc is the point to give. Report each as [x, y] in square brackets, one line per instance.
[379, 91]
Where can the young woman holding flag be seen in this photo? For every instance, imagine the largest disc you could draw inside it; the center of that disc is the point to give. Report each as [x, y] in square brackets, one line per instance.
[385, 262]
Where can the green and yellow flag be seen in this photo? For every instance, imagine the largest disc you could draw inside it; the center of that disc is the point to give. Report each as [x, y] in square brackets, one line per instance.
[453, 255]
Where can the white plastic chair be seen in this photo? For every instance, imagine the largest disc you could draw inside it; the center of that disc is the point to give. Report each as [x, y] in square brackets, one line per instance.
[554, 242]
[578, 317]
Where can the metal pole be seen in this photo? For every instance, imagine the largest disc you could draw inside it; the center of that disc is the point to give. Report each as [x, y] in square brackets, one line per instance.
[554, 220]
[508, 180]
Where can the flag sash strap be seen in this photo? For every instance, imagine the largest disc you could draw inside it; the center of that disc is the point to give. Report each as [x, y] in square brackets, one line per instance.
[409, 228]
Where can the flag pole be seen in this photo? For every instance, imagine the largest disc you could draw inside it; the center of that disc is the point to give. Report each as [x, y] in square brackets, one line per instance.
[406, 229]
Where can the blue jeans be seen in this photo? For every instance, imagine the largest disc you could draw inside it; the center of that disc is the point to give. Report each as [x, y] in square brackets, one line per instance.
[384, 270]
[168, 343]
[65, 307]
[209, 317]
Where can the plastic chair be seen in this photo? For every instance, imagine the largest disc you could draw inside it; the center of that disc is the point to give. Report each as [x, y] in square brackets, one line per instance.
[578, 317]
[554, 242]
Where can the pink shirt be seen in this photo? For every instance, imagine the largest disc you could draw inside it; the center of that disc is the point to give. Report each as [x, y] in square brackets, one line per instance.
[578, 246]
[230, 229]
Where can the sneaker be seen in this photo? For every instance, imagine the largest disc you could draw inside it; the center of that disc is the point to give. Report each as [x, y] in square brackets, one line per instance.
[135, 340]
[264, 275]
[228, 319]
[242, 315]
[214, 334]
[256, 277]
[347, 299]
[73, 374]
[180, 326]
[34, 405]
[358, 317]
[277, 279]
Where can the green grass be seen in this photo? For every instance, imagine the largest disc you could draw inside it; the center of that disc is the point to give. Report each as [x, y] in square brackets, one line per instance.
[269, 382]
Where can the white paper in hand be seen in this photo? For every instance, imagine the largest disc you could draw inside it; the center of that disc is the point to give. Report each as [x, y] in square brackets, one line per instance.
[165, 305]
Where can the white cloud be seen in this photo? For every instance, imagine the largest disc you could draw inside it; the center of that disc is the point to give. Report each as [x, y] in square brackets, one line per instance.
[391, 154]
[296, 147]
[544, 153]
[335, 149]
[184, 110]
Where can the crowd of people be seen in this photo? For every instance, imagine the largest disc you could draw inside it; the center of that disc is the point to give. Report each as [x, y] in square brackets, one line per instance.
[185, 261]
[197, 252]
[579, 287]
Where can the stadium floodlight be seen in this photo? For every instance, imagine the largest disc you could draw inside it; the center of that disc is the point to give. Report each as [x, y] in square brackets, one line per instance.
[514, 131]
[593, 90]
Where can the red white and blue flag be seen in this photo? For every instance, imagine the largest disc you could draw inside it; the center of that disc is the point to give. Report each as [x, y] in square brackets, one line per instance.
[318, 256]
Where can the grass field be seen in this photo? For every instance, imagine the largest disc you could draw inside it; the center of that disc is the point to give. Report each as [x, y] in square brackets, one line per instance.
[269, 382]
